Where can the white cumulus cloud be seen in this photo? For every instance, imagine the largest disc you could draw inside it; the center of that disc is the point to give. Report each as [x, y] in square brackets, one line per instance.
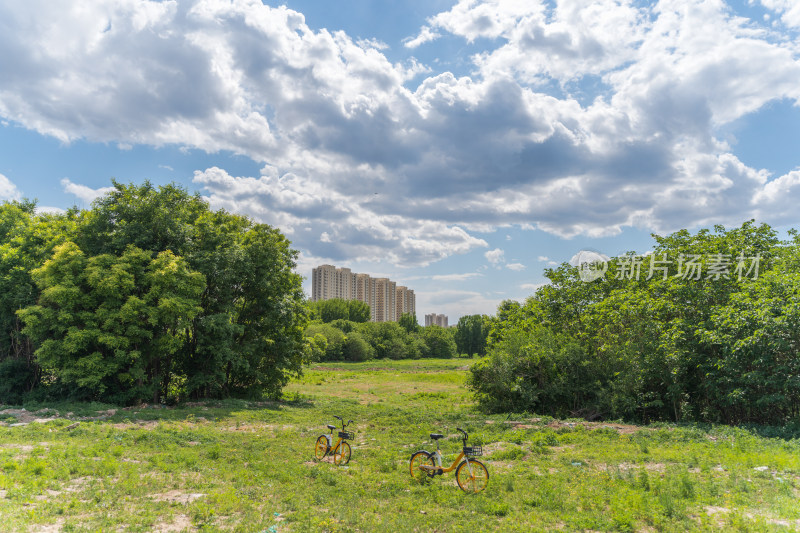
[495, 256]
[8, 191]
[87, 194]
[576, 118]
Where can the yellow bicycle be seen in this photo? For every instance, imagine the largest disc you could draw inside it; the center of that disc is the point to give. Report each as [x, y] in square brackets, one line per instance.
[471, 474]
[341, 450]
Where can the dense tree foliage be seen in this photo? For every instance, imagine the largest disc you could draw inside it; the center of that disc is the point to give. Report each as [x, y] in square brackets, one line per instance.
[148, 294]
[338, 309]
[343, 340]
[698, 334]
[111, 326]
[408, 322]
[471, 334]
[26, 242]
[438, 341]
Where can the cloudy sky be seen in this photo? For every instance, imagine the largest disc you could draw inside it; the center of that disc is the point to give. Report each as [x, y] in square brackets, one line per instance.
[457, 147]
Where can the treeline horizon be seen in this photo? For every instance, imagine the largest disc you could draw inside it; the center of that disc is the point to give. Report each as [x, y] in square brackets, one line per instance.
[341, 330]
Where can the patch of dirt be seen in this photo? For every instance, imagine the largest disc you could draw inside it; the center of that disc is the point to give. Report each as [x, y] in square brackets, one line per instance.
[48, 494]
[716, 512]
[786, 523]
[43, 416]
[490, 448]
[23, 448]
[178, 523]
[49, 528]
[252, 428]
[176, 496]
[79, 483]
[144, 424]
[652, 467]
[502, 465]
[24, 416]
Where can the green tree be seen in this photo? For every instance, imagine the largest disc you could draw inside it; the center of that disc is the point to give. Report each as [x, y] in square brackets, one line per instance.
[409, 322]
[333, 309]
[358, 311]
[248, 337]
[471, 334]
[710, 346]
[334, 340]
[438, 342]
[338, 309]
[110, 326]
[26, 242]
[356, 348]
[390, 341]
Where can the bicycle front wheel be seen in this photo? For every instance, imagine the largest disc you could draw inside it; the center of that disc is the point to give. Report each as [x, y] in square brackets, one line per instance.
[474, 482]
[341, 455]
[417, 460]
[321, 448]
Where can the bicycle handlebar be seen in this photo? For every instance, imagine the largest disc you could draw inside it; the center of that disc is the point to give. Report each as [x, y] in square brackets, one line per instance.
[344, 425]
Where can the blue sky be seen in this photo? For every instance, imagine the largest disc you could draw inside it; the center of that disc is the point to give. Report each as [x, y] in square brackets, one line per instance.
[457, 147]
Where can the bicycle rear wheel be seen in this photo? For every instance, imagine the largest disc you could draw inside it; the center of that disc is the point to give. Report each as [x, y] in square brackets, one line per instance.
[418, 459]
[321, 448]
[341, 455]
[475, 482]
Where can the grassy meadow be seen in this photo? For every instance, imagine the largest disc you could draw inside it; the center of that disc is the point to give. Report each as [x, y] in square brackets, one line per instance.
[247, 466]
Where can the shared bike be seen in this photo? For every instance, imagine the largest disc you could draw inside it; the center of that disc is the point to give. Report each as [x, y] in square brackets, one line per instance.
[471, 474]
[340, 450]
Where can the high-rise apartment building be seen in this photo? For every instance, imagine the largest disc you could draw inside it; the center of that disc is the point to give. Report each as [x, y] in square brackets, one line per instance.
[404, 299]
[387, 301]
[436, 320]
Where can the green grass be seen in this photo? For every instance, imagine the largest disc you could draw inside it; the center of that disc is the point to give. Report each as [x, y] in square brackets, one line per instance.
[243, 466]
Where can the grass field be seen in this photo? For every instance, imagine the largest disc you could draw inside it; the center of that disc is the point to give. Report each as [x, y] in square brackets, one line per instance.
[242, 466]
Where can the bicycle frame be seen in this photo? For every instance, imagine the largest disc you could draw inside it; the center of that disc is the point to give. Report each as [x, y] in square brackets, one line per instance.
[335, 447]
[439, 469]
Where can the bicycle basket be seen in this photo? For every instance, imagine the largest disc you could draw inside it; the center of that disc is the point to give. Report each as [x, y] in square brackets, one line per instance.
[346, 435]
[474, 451]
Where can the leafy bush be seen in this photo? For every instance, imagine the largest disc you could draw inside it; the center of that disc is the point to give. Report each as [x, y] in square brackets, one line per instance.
[149, 293]
[334, 340]
[659, 346]
[356, 348]
[438, 342]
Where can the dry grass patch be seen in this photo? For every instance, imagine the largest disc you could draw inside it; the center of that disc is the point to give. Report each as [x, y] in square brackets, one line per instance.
[177, 496]
[180, 522]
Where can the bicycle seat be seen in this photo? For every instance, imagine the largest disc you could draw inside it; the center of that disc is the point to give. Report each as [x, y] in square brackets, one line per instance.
[437, 436]
[331, 427]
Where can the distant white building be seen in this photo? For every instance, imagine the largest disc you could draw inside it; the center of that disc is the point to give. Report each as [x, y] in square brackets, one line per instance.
[436, 320]
[387, 301]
